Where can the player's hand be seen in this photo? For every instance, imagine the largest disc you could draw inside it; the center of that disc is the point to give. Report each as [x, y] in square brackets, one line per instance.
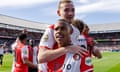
[35, 66]
[77, 49]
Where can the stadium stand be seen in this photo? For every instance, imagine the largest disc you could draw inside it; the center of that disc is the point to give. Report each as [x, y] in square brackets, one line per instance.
[10, 27]
[107, 36]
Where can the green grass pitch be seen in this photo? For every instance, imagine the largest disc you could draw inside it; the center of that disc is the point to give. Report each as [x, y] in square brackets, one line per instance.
[109, 63]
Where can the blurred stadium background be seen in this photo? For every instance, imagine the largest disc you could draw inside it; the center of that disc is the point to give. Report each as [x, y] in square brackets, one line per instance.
[10, 27]
[107, 36]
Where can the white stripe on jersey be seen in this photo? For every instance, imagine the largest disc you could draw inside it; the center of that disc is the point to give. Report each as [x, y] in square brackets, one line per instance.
[24, 52]
[43, 67]
[48, 38]
[35, 50]
[71, 64]
[75, 35]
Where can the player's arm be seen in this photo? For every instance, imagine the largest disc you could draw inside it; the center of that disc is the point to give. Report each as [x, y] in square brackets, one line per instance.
[24, 54]
[95, 51]
[46, 53]
[30, 64]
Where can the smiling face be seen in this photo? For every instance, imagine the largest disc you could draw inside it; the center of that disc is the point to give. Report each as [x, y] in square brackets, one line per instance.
[66, 10]
[61, 33]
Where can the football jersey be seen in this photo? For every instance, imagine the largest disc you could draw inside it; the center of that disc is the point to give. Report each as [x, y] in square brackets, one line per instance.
[47, 39]
[66, 63]
[21, 51]
[86, 61]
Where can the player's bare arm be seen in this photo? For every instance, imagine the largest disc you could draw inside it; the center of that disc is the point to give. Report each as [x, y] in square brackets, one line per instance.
[46, 55]
[30, 64]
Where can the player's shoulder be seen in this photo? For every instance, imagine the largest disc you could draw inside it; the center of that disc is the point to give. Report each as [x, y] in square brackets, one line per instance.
[25, 47]
[51, 26]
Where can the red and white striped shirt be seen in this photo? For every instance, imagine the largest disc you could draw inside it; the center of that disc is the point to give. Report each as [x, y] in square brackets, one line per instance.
[66, 63]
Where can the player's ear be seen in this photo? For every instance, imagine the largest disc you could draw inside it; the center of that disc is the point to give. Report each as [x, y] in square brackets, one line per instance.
[58, 12]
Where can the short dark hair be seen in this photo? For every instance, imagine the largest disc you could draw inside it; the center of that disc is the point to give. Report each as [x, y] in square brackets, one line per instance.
[22, 36]
[65, 23]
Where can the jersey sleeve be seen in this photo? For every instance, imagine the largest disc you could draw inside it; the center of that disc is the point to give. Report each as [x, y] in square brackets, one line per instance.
[47, 39]
[24, 52]
[13, 45]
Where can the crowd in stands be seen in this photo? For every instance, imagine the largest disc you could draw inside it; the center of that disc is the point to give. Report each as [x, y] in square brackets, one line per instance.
[13, 33]
[111, 48]
[9, 36]
[110, 35]
[105, 40]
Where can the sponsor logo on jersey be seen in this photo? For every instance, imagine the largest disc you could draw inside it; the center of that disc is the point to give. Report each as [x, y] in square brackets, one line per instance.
[88, 61]
[45, 38]
[76, 57]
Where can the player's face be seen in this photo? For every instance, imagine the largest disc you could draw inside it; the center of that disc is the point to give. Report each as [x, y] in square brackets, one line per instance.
[61, 34]
[90, 41]
[24, 41]
[87, 29]
[67, 11]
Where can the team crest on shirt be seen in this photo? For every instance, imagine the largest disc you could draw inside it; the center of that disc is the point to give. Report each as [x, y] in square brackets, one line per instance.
[76, 57]
[88, 61]
[45, 38]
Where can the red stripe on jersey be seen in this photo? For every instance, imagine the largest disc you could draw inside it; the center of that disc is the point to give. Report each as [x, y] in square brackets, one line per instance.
[57, 64]
[30, 53]
[52, 26]
[19, 65]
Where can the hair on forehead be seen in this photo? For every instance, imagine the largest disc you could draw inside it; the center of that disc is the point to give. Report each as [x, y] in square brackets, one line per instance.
[65, 23]
[63, 1]
[22, 36]
[62, 21]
